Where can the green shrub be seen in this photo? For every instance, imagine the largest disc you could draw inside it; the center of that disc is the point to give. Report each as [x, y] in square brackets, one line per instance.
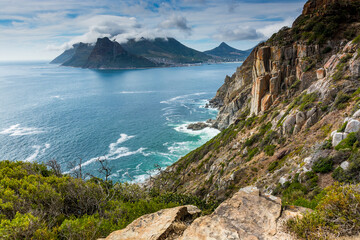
[348, 142]
[252, 153]
[323, 165]
[352, 173]
[36, 203]
[342, 128]
[341, 98]
[356, 40]
[270, 150]
[337, 214]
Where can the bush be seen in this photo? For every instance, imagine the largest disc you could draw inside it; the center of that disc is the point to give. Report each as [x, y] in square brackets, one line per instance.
[348, 142]
[323, 165]
[270, 150]
[337, 214]
[36, 203]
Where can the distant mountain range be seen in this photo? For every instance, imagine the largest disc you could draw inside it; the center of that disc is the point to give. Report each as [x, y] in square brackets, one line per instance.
[143, 53]
[228, 53]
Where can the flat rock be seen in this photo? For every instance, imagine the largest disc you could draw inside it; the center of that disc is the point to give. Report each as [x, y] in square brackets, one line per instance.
[156, 226]
[247, 215]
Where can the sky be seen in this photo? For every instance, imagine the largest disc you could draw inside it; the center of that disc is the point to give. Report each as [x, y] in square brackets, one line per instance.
[41, 30]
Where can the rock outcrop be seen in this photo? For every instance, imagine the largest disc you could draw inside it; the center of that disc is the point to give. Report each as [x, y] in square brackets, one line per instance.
[164, 224]
[249, 214]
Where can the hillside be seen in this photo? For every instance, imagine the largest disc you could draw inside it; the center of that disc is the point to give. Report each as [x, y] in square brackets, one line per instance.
[166, 51]
[228, 53]
[289, 115]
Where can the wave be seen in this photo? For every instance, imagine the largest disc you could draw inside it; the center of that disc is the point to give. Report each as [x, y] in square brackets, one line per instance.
[135, 92]
[17, 130]
[115, 151]
[182, 97]
[57, 97]
[38, 150]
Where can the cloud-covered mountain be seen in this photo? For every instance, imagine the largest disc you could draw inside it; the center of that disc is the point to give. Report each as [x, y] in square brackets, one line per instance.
[229, 53]
[166, 51]
[141, 53]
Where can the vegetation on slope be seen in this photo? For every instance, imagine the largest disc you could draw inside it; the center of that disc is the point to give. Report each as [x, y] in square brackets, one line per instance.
[38, 203]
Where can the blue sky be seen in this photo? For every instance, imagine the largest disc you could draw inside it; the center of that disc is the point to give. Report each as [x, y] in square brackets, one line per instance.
[39, 29]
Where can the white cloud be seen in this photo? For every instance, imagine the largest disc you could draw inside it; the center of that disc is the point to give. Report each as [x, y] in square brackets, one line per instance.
[39, 23]
[237, 34]
[176, 22]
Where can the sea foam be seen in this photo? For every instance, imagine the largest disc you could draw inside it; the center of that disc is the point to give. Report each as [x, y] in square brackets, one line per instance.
[17, 130]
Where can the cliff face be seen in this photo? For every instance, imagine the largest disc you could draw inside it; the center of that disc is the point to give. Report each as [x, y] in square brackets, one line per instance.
[278, 109]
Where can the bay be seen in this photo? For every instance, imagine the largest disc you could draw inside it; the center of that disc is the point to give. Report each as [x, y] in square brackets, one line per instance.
[135, 119]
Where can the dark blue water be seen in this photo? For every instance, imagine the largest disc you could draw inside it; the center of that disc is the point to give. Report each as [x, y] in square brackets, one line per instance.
[133, 118]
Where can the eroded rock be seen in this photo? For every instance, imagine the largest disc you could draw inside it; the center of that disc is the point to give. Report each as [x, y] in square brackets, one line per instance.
[352, 126]
[164, 224]
[247, 215]
[337, 138]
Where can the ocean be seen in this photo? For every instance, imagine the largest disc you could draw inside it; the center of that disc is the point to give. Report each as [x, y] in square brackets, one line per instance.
[135, 119]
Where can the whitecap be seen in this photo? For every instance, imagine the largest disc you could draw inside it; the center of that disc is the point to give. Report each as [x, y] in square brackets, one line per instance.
[17, 130]
[38, 150]
[115, 152]
[135, 92]
[181, 98]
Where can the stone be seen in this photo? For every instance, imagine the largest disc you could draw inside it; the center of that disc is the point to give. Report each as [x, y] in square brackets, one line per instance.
[266, 102]
[356, 114]
[289, 123]
[282, 180]
[352, 126]
[320, 73]
[274, 86]
[260, 86]
[197, 126]
[300, 118]
[337, 138]
[247, 215]
[344, 165]
[156, 226]
[355, 68]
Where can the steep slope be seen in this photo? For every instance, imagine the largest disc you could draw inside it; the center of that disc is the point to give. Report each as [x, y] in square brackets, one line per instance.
[278, 110]
[228, 53]
[109, 54]
[80, 56]
[166, 51]
[66, 55]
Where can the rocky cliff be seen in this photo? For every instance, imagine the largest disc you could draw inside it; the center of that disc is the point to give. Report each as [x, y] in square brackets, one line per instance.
[279, 108]
[290, 121]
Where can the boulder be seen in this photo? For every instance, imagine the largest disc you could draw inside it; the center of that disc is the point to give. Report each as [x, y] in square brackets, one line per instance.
[247, 215]
[300, 118]
[164, 224]
[356, 114]
[289, 123]
[352, 126]
[337, 138]
[344, 165]
[320, 73]
[197, 126]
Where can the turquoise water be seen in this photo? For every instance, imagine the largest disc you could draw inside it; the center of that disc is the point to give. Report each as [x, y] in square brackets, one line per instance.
[133, 118]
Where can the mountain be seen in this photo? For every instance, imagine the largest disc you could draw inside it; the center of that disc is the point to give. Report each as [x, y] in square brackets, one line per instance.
[65, 56]
[111, 55]
[143, 53]
[165, 50]
[80, 54]
[228, 53]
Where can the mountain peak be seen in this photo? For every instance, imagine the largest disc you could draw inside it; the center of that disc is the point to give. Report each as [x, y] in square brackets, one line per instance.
[223, 44]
